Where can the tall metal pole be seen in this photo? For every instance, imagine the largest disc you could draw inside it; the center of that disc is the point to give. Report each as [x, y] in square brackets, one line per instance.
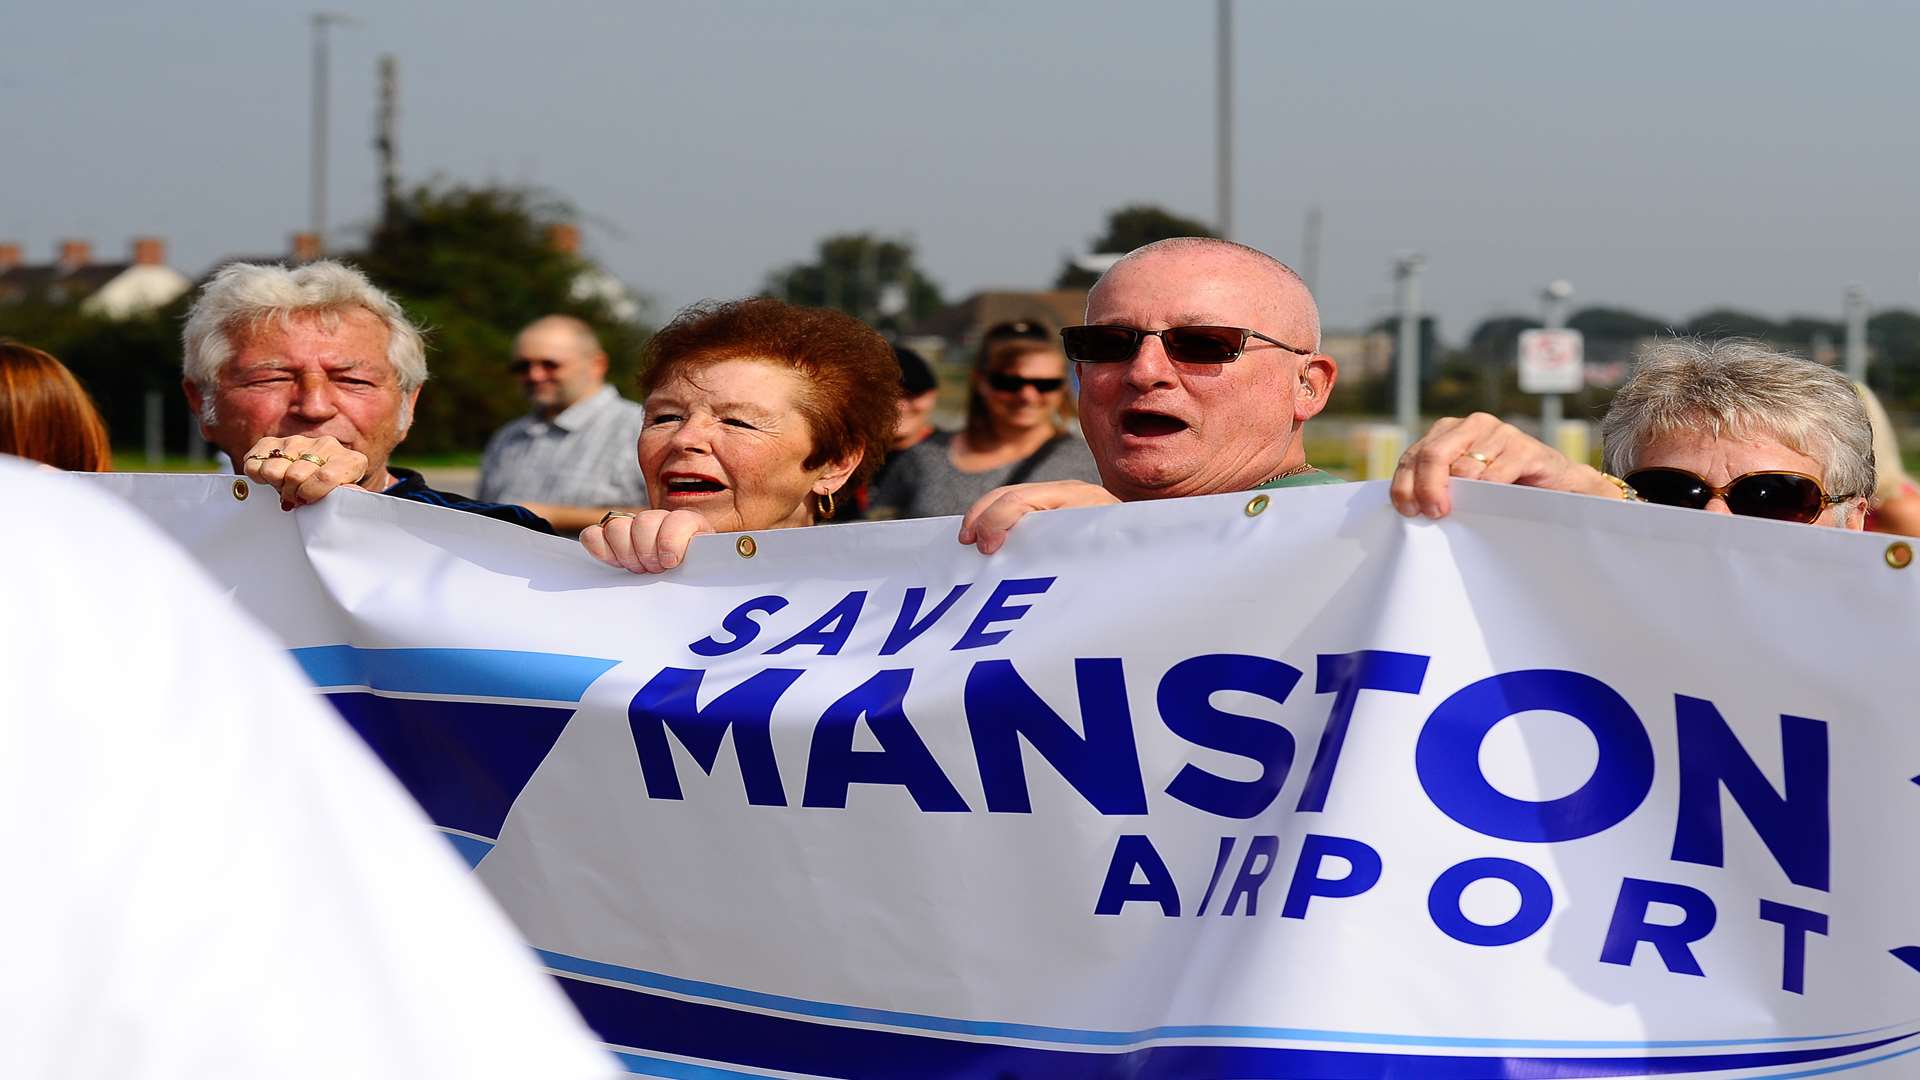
[1310, 249]
[1856, 307]
[1406, 398]
[386, 141]
[1223, 135]
[322, 21]
[1555, 297]
[317, 180]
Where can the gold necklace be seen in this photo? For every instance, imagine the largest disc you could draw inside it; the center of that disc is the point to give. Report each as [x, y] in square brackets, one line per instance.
[1303, 467]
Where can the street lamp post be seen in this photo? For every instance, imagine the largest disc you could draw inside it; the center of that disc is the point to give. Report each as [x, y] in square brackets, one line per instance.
[1856, 309]
[1406, 398]
[1223, 118]
[322, 22]
[1554, 298]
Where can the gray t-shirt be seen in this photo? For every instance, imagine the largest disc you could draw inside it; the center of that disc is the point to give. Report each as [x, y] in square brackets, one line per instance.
[921, 480]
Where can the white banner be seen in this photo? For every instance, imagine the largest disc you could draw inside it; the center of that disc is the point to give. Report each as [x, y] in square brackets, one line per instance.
[1274, 786]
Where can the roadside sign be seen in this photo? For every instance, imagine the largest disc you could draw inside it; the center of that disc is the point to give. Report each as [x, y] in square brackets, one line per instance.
[1552, 361]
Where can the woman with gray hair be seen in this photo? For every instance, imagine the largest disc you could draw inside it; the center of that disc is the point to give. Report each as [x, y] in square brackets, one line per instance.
[1728, 426]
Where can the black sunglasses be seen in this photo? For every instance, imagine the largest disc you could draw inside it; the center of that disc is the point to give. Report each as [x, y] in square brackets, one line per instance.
[1017, 328]
[1777, 495]
[1013, 384]
[1187, 344]
[521, 365]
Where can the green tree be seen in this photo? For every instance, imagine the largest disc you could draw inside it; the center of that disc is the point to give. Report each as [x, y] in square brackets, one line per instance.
[1500, 334]
[1616, 323]
[1893, 337]
[1729, 322]
[1127, 228]
[863, 274]
[474, 265]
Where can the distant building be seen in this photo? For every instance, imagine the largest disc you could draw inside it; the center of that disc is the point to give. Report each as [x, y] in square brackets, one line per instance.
[952, 333]
[1366, 355]
[116, 290]
[302, 247]
[594, 283]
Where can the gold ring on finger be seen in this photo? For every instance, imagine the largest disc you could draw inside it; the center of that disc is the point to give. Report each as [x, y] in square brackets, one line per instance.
[1478, 456]
[317, 460]
[276, 452]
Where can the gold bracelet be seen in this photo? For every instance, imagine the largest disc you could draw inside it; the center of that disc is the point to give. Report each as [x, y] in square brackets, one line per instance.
[1626, 489]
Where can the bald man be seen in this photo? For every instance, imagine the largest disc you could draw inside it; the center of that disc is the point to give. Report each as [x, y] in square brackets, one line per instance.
[1199, 365]
[572, 458]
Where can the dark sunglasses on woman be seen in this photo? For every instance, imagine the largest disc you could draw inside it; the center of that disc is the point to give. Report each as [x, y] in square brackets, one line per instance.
[1187, 344]
[1777, 495]
[1008, 383]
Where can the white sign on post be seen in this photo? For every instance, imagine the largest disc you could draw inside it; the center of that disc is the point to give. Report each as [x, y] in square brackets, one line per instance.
[1552, 361]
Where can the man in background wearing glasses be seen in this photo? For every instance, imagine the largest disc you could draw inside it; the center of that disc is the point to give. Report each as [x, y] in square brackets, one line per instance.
[572, 458]
[1199, 365]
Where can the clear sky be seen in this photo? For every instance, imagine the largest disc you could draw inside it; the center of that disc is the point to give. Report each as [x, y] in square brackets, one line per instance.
[1665, 156]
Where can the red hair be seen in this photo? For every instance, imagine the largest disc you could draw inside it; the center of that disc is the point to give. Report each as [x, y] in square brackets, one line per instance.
[46, 416]
[852, 396]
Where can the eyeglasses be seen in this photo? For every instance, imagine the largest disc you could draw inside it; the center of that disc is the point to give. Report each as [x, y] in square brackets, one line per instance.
[1773, 494]
[1187, 344]
[1013, 384]
[521, 365]
[1017, 328]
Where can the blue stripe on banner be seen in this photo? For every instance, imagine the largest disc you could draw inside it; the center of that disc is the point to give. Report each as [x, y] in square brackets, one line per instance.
[1849, 1067]
[755, 1040]
[464, 762]
[641, 1065]
[470, 848]
[560, 962]
[461, 672]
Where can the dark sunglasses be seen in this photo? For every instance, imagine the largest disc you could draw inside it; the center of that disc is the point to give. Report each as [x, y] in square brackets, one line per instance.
[1187, 344]
[1013, 384]
[1017, 328]
[521, 365]
[1775, 495]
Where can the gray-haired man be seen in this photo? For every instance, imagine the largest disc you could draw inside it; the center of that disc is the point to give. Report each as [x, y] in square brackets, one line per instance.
[307, 378]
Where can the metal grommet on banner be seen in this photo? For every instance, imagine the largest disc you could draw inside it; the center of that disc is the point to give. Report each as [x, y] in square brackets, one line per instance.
[240, 490]
[1899, 554]
[1257, 505]
[746, 547]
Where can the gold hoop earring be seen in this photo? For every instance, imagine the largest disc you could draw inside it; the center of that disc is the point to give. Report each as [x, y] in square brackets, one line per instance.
[823, 505]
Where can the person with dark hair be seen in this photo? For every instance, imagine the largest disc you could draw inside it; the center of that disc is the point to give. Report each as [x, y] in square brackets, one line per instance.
[919, 393]
[1019, 414]
[45, 414]
[759, 414]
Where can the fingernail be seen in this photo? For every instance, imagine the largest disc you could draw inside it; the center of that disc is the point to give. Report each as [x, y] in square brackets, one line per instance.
[669, 560]
[285, 505]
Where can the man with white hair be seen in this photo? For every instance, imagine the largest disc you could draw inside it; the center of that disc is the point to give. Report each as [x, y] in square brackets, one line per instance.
[1198, 368]
[307, 379]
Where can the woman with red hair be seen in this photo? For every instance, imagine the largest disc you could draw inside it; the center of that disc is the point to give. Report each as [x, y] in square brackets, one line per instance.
[46, 416]
[759, 414]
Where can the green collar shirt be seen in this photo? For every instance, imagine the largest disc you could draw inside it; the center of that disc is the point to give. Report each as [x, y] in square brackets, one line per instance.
[1309, 478]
